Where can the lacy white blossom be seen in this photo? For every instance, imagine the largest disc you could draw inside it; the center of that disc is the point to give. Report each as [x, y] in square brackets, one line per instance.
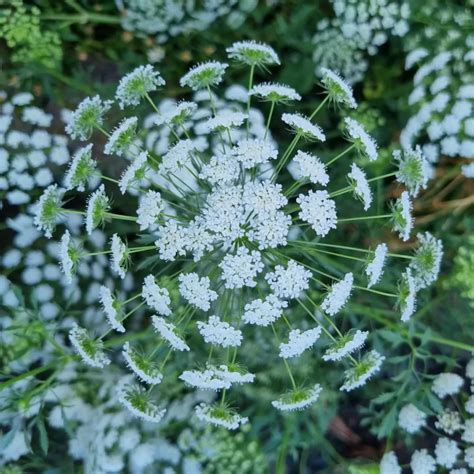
[143, 368]
[302, 125]
[219, 332]
[122, 137]
[177, 114]
[226, 119]
[253, 53]
[119, 256]
[422, 462]
[47, 210]
[168, 332]
[361, 139]
[149, 209]
[298, 342]
[90, 350]
[253, 152]
[241, 269]
[407, 295]
[338, 295]
[263, 312]
[136, 400]
[275, 92]
[66, 262]
[177, 157]
[361, 185]
[88, 115]
[319, 210]
[222, 169]
[374, 268]
[81, 168]
[411, 419]
[289, 282]
[156, 297]
[97, 206]
[298, 399]
[449, 421]
[205, 380]
[111, 308]
[402, 218]
[196, 290]
[204, 75]
[413, 169]
[347, 344]
[389, 464]
[219, 416]
[233, 375]
[135, 172]
[447, 384]
[311, 167]
[338, 89]
[362, 371]
[426, 262]
[172, 240]
[137, 84]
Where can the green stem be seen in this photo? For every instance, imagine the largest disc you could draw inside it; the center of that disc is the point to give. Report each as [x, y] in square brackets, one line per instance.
[249, 97]
[364, 218]
[347, 150]
[318, 108]
[121, 217]
[267, 128]
[83, 18]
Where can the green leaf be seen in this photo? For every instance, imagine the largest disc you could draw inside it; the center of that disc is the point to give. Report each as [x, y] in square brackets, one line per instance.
[384, 397]
[388, 424]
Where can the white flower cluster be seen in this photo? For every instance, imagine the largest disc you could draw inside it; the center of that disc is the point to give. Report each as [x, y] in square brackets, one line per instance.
[442, 98]
[165, 18]
[454, 448]
[359, 27]
[223, 235]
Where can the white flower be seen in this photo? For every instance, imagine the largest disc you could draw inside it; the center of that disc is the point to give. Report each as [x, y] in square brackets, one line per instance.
[469, 405]
[177, 157]
[338, 89]
[81, 168]
[90, 350]
[311, 167]
[360, 185]
[226, 119]
[141, 366]
[275, 92]
[361, 139]
[263, 312]
[426, 262]
[270, 230]
[136, 400]
[177, 114]
[289, 282]
[401, 216]
[222, 169]
[218, 416]
[219, 332]
[196, 290]
[172, 240]
[48, 210]
[252, 152]
[156, 297]
[263, 198]
[233, 375]
[362, 371]
[469, 456]
[97, 206]
[137, 84]
[298, 342]
[374, 268]
[168, 332]
[413, 169]
[241, 269]
[411, 419]
[447, 384]
[135, 172]
[149, 209]
[88, 115]
[449, 421]
[204, 75]
[119, 256]
[205, 380]
[298, 399]
[338, 295]
[303, 126]
[347, 344]
[66, 262]
[112, 309]
[389, 464]
[422, 463]
[122, 137]
[253, 53]
[407, 295]
[319, 210]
